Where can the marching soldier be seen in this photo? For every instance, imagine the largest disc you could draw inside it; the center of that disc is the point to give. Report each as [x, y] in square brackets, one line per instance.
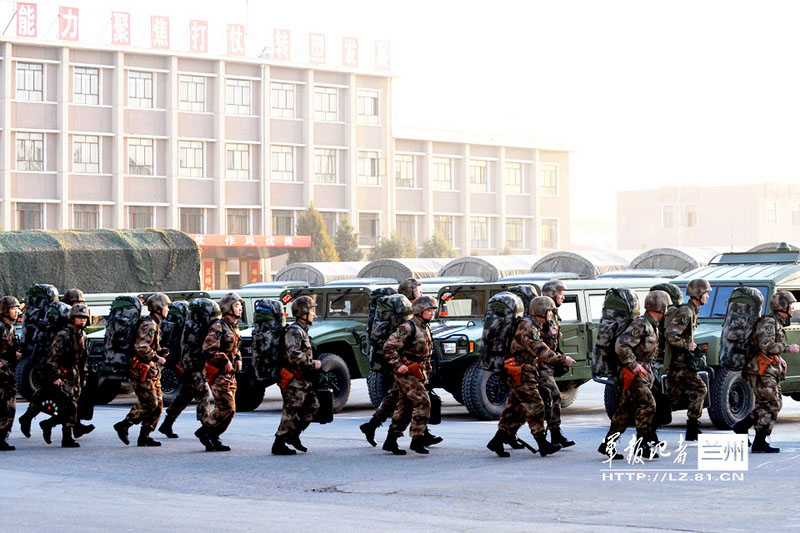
[524, 401]
[764, 370]
[297, 386]
[9, 355]
[223, 362]
[145, 374]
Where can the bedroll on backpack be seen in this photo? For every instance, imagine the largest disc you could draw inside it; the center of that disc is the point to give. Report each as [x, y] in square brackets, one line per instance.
[121, 330]
[390, 311]
[503, 311]
[269, 328]
[199, 316]
[172, 331]
[620, 307]
[743, 311]
[37, 300]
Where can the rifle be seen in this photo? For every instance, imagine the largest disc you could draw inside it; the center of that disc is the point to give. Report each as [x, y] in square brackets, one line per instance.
[525, 444]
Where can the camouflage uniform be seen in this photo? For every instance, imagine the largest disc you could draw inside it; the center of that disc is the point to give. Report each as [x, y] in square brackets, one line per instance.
[147, 410]
[67, 362]
[410, 343]
[194, 386]
[220, 348]
[679, 333]
[769, 344]
[9, 345]
[299, 399]
[637, 345]
[551, 335]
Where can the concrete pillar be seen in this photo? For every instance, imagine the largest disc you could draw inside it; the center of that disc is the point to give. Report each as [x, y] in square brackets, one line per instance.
[8, 145]
[118, 103]
[219, 154]
[63, 143]
[173, 216]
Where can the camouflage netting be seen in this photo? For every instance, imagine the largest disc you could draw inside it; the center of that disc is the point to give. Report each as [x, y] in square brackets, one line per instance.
[401, 269]
[316, 274]
[681, 259]
[489, 267]
[99, 260]
[586, 264]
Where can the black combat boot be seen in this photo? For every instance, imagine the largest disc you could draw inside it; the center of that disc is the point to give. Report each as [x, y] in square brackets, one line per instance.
[294, 441]
[418, 445]
[496, 444]
[391, 444]
[216, 444]
[47, 429]
[514, 442]
[82, 429]
[166, 427]
[740, 428]
[66, 438]
[692, 429]
[279, 447]
[4, 445]
[145, 439]
[556, 437]
[205, 440]
[609, 446]
[121, 428]
[760, 444]
[25, 424]
[368, 429]
[546, 447]
[431, 439]
[648, 451]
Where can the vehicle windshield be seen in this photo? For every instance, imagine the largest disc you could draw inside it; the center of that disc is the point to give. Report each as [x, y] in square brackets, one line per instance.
[717, 305]
[462, 304]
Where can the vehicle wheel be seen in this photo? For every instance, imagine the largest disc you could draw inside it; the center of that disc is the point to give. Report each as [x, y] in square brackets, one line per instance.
[795, 396]
[484, 393]
[455, 390]
[731, 398]
[378, 387]
[611, 396]
[27, 383]
[568, 396]
[249, 395]
[338, 378]
[170, 383]
[107, 390]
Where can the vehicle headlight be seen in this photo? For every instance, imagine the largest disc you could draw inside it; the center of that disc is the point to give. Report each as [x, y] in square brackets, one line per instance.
[449, 347]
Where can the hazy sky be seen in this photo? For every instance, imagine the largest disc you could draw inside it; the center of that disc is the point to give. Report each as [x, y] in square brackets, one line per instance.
[648, 93]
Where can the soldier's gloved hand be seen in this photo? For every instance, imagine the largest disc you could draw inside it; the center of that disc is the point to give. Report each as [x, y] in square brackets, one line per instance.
[317, 365]
[794, 348]
[570, 361]
[639, 370]
[161, 360]
[57, 383]
[228, 367]
[691, 346]
[402, 369]
[784, 366]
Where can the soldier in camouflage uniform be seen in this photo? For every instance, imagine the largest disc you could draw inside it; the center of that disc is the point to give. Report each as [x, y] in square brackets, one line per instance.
[9, 355]
[764, 370]
[551, 335]
[636, 348]
[679, 334]
[145, 375]
[408, 351]
[223, 362]
[66, 372]
[297, 387]
[524, 401]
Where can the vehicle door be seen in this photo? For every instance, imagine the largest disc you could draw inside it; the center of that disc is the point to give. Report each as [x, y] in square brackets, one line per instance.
[574, 334]
[792, 383]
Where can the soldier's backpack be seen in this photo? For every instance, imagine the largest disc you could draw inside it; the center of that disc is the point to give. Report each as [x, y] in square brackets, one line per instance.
[37, 300]
[390, 310]
[269, 329]
[54, 320]
[503, 313]
[743, 312]
[123, 319]
[526, 293]
[201, 313]
[172, 331]
[620, 307]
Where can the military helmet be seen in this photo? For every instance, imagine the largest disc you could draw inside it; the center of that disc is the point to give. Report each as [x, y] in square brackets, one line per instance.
[526, 293]
[697, 288]
[552, 287]
[73, 296]
[302, 306]
[157, 301]
[79, 311]
[407, 287]
[6, 303]
[673, 290]
[207, 305]
[227, 301]
[657, 301]
[541, 305]
[782, 301]
[422, 303]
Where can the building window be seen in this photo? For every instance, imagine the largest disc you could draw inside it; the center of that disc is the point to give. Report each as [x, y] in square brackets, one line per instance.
[690, 216]
[190, 159]
[369, 168]
[369, 107]
[325, 166]
[548, 179]
[30, 151]
[480, 232]
[512, 178]
[668, 216]
[478, 176]
[140, 157]
[282, 222]
[772, 213]
[86, 154]
[282, 163]
[405, 170]
[407, 227]
[443, 225]
[796, 215]
[368, 230]
[549, 237]
[237, 96]
[283, 100]
[326, 104]
[191, 93]
[30, 216]
[193, 220]
[237, 161]
[238, 222]
[140, 89]
[140, 217]
[29, 82]
[514, 236]
[86, 85]
[85, 216]
[331, 220]
[443, 173]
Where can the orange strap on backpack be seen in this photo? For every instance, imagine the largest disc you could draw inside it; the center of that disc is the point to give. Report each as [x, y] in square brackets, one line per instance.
[627, 377]
[211, 373]
[513, 369]
[286, 377]
[764, 361]
[414, 369]
[142, 368]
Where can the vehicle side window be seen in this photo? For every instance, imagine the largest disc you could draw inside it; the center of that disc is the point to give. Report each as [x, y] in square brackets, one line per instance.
[463, 304]
[569, 310]
[596, 306]
[347, 305]
[796, 312]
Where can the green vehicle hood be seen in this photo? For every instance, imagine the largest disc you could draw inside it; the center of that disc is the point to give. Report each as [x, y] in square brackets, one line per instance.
[324, 331]
[470, 328]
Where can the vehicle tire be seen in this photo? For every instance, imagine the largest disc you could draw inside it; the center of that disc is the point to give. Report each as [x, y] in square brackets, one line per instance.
[338, 378]
[731, 398]
[170, 383]
[484, 393]
[611, 396]
[568, 396]
[795, 396]
[455, 390]
[26, 382]
[249, 395]
[378, 387]
[107, 390]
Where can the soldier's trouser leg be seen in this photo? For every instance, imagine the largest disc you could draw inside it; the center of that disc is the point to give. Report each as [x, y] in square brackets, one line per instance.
[147, 410]
[193, 387]
[299, 405]
[223, 388]
[768, 401]
[68, 405]
[637, 407]
[687, 381]
[550, 384]
[388, 404]
[513, 416]
[413, 396]
[532, 406]
[8, 399]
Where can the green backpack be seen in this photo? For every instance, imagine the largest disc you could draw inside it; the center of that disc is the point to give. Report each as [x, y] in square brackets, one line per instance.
[620, 307]
[741, 316]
